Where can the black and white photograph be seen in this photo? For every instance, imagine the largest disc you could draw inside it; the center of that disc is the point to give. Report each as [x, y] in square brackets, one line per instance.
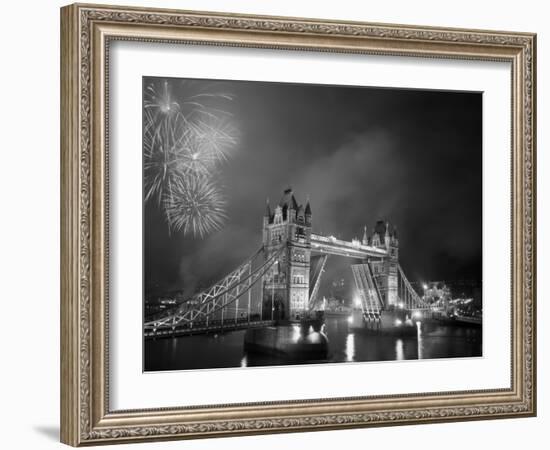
[289, 223]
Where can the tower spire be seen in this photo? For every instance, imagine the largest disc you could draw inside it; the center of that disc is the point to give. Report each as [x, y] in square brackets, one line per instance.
[387, 239]
[365, 236]
[308, 207]
[395, 240]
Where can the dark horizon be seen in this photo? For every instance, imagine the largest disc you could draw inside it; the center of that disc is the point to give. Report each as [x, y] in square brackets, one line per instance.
[360, 154]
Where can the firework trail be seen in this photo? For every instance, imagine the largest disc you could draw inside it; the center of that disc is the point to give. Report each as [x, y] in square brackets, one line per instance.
[183, 145]
[160, 158]
[194, 205]
[159, 100]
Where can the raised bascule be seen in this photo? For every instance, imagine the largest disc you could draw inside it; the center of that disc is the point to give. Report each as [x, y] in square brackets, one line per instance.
[279, 284]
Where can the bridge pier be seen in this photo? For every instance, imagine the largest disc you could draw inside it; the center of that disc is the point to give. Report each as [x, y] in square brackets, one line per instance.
[394, 321]
[291, 342]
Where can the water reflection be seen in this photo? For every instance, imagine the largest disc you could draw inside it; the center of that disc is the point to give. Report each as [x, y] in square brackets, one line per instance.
[296, 332]
[399, 353]
[174, 347]
[345, 345]
[350, 347]
[420, 340]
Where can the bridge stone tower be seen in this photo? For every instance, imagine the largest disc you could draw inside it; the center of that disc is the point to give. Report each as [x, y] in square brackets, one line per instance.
[285, 293]
[386, 269]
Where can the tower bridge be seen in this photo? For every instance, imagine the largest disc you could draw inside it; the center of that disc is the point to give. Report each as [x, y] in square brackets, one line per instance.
[280, 282]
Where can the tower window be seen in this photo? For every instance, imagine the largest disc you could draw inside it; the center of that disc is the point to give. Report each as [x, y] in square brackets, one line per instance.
[298, 279]
[300, 233]
[276, 236]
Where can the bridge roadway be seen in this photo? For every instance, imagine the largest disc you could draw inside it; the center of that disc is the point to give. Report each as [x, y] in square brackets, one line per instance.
[203, 327]
[354, 249]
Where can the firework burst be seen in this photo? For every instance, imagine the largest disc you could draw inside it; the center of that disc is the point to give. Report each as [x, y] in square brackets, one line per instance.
[215, 136]
[162, 152]
[194, 205]
[183, 145]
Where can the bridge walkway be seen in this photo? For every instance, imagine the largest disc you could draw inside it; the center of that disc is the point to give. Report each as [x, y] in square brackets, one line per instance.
[213, 326]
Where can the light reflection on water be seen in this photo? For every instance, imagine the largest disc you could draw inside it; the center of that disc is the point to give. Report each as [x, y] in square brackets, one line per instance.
[350, 347]
[173, 348]
[399, 353]
[420, 340]
[345, 345]
[295, 332]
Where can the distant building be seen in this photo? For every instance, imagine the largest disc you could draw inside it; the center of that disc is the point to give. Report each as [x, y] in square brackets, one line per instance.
[338, 289]
[436, 293]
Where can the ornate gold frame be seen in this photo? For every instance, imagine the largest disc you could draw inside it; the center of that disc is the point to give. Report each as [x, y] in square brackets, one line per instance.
[86, 31]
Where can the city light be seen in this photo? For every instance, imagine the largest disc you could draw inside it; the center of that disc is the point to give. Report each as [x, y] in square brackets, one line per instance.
[417, 315]
[357, 301]
[398, 322]
[425, 286]
[350, 319]
[401, 305]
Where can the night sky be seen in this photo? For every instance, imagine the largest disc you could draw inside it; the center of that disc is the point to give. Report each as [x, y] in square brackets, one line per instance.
[409, 157]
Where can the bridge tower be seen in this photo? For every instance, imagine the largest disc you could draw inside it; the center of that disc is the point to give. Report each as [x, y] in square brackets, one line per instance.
[286, 285]
[386, 269]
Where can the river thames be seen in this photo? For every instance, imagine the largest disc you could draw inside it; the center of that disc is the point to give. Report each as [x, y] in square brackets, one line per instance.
[344, 345]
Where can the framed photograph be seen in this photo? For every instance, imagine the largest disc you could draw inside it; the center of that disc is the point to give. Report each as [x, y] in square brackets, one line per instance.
[273, 224]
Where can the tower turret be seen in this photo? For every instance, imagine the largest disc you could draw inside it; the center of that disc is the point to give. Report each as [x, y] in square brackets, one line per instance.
[267, 213]
[395, 240]
[300, 215]
[378, 236]
[289, 205]
[308, 213]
